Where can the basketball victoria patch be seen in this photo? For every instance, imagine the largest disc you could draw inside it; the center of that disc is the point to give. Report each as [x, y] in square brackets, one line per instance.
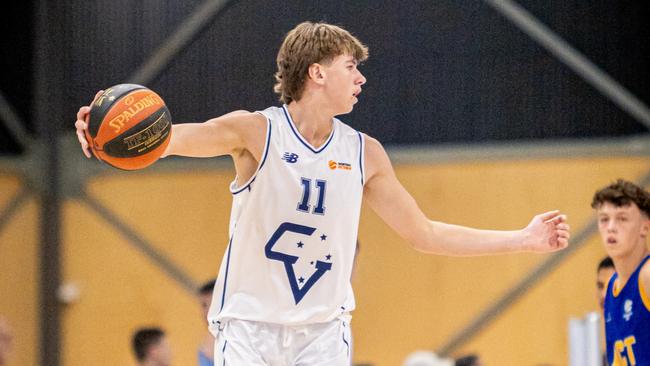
[300, 283]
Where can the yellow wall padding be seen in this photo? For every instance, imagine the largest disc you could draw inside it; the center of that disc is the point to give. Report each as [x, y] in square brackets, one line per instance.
[19, 275]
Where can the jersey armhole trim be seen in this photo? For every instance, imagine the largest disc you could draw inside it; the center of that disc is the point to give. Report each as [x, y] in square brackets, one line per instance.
[235, 191]
[225, 280]
[644, 296]
[361, 156]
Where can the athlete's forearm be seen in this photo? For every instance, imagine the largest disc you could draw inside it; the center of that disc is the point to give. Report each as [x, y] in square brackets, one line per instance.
[448, 239]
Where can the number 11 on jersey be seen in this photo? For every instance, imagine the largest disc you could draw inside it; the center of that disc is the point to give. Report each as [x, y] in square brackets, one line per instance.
[304, 205]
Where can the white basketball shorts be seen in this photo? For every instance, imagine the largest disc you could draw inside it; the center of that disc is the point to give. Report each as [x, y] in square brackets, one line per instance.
[248, 343]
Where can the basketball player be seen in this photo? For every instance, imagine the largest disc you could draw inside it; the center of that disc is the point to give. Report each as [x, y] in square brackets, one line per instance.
[283, 294]
[623, 210]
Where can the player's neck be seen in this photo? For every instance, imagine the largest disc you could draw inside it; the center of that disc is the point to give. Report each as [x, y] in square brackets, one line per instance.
[625, 266]
[312, 118]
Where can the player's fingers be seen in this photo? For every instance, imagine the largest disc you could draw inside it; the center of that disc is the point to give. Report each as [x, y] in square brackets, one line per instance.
[97, 96]
[83, 142]
[558, 218]
[548, 215]
[82, 113]
[563, 234]
[563, 226]
[562, 243]
[84, 148]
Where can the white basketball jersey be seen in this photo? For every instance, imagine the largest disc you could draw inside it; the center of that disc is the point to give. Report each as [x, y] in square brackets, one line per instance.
[293, 229]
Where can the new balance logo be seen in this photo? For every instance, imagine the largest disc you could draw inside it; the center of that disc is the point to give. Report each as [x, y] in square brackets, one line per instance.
[290, 157]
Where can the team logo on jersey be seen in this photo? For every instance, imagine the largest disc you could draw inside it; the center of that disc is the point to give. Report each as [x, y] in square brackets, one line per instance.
[627, 308]
[290, 260]
[290, 157]
[339, 165]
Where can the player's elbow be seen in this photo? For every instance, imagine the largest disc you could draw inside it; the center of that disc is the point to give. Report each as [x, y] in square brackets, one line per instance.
[421, 238]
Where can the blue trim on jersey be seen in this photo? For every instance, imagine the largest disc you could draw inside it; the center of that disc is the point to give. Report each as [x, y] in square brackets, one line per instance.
[346, 342]
[225, 280]
[266, 151]
[300, 138]
[223, 352]
[361, 155]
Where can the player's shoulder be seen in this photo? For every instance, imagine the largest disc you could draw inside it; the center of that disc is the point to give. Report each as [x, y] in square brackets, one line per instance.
[374, 148]
[244, 121]
[644, 274]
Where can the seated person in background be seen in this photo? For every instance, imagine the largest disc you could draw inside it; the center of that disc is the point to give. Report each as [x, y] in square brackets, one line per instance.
[469, 360]
[6, 339]
[426, 358]
[151, 347]
[206, 347]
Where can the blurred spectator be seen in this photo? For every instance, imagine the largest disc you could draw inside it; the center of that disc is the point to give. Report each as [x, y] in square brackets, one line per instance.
[426, 358]
[603, 274]
[151, 347]
[469, 360]
[6, 339]
[206, 347]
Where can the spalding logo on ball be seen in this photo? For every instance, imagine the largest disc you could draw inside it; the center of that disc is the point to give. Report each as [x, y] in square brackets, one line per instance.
[129, 127]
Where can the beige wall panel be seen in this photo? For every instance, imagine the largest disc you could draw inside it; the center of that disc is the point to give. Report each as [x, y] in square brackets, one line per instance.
[534, 330]
[185, 216]
[407, 301]
[19, 279]
[9, 185]
[120, 290]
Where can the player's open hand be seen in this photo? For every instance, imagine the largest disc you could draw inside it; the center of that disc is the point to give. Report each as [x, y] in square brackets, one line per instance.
[547, 232]
[81, 125]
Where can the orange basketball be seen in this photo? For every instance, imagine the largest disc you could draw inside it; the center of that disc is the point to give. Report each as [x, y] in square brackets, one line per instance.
[129, 127]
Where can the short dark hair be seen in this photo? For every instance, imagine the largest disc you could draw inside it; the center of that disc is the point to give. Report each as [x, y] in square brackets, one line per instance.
[605, 263]
[143, 339]
[469, 360]
[207, 288]
[622, 193]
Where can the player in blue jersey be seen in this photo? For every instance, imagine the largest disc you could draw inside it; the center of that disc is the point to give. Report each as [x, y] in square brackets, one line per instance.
[283, 294]
[623, 210]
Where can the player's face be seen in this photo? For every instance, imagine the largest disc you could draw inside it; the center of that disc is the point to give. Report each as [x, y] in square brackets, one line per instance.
[343, 83]
[602, 279]
[622, 228]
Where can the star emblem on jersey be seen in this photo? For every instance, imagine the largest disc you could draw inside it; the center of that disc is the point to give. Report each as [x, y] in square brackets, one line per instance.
[289, 260]
[290, 157]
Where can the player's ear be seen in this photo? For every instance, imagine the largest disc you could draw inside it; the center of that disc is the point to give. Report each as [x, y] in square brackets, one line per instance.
[645, 227]
[316, 73]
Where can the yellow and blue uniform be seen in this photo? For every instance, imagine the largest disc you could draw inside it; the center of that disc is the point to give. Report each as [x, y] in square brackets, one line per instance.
[627, 322]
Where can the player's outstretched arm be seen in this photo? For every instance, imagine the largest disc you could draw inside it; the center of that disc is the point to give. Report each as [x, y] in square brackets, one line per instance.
[389, 199]
[229, 134]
